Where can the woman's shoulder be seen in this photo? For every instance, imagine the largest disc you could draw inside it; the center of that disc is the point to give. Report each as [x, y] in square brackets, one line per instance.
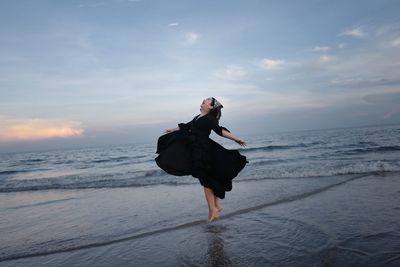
[211, 118]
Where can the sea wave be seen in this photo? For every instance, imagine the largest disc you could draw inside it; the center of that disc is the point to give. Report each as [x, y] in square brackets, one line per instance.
[157, 176]
[320, 170]
[129, 179]
[275, 147]
[112, 159]
[261, 161]
[31, 160]
[12, 172]
[369, 150]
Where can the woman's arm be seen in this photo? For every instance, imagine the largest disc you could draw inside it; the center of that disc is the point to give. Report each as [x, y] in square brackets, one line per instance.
[222, 131]
[181, 126]
[229, 135]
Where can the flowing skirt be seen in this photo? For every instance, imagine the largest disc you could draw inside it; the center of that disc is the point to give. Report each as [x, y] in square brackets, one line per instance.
[183, 153]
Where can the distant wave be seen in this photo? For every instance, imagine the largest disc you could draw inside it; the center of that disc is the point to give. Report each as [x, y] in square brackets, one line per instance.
[275, 147]
[65, 162]
[262, 169]
[115, 159]
[262, 162]
[35, 185]
[154, 172]
[13, 172]
[31, 160]
[130, 179]
[121, 160]
[369, 150]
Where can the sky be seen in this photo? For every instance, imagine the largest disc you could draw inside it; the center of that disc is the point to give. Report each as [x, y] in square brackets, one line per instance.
[81, 73]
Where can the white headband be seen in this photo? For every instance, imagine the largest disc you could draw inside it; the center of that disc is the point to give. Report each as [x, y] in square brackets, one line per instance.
[217, 103]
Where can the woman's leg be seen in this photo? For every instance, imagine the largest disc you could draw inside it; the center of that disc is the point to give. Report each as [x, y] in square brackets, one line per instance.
[217, 204]
[213, 212]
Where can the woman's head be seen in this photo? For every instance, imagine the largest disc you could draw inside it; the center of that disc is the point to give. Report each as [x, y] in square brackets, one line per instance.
[212, 106]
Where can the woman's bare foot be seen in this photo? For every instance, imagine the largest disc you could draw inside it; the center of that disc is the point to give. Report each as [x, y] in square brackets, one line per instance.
[213, 215]
[219, 208]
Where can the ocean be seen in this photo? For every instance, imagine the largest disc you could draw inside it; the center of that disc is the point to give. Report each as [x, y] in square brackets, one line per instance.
[63, 202]
[280, 155]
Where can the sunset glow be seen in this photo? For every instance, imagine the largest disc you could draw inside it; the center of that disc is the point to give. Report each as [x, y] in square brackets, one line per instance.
[37, 129]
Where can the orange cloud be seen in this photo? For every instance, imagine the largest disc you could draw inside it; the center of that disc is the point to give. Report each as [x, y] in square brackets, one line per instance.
[26, 129]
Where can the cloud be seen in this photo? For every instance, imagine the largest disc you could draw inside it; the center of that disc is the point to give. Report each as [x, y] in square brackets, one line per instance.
[355, 31]
[270, 64]
[91, 5]
[191, 37]
[232, 72]
[358, 68]
[389, 100]
[326, 59]
[365, 82]
[268, 102]
[395, 42]
[341, 46]
[31, 129]
[173, 24]
[387, 29]
[321, 48]
[383, 98]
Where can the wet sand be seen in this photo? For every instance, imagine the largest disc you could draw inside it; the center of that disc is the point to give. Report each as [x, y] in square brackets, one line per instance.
[348, 220]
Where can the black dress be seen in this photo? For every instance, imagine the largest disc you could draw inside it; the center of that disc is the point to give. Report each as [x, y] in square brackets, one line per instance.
[190, 151]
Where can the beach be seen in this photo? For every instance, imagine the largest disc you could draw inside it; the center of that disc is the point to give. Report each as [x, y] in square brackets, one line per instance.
[124, 122]
[307, 198]
[333, 221]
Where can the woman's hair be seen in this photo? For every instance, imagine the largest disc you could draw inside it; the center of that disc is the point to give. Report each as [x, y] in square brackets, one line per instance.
[216, 112]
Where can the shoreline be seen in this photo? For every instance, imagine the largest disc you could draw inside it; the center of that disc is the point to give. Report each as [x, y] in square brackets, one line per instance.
[171, 218]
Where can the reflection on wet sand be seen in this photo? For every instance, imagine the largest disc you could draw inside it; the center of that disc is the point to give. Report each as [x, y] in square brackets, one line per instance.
[215, 251]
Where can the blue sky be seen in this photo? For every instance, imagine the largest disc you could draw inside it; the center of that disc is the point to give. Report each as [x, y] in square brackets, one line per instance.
[76, 73]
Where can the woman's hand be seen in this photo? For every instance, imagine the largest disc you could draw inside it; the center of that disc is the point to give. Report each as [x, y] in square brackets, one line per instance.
[229, 135]
[171, 130]
[241, 142]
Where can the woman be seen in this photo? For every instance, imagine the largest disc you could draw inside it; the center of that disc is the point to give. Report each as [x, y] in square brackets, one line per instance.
[188, 150]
